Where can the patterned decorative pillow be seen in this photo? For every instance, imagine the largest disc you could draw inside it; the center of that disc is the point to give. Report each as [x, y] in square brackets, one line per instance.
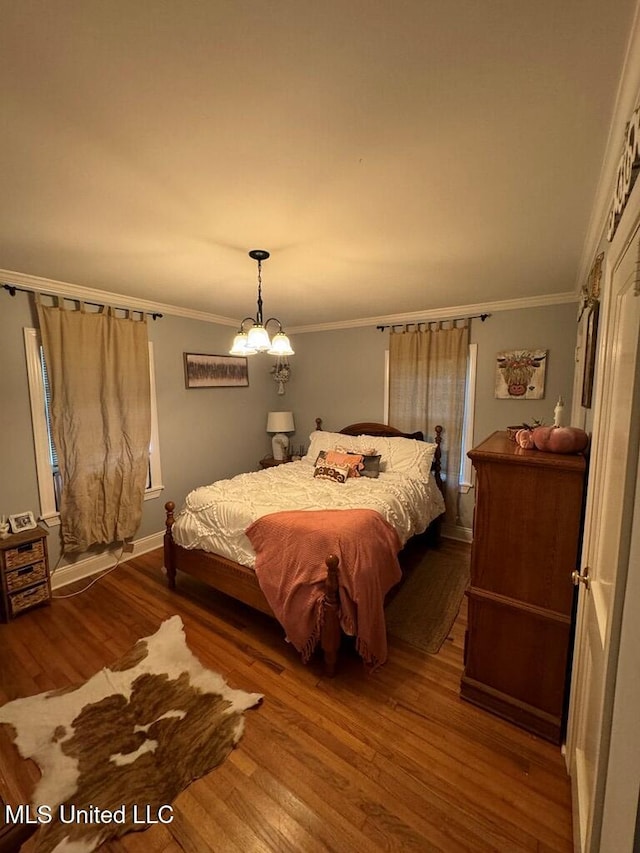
[326, 471]
[333, 457]
[353, 460]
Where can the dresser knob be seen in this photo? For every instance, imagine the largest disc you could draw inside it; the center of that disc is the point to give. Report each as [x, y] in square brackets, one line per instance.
[579, 578]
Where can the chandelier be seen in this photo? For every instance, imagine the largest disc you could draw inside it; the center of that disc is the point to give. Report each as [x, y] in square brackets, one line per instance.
[257, 339]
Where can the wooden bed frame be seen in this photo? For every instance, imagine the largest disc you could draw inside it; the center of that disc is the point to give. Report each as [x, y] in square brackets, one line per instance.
[241, 583]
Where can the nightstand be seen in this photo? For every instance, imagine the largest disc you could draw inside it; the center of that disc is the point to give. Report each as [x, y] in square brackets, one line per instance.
[270, 462]
[24, 572]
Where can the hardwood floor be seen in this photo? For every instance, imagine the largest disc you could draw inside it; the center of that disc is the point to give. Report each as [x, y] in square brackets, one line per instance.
[395, 761]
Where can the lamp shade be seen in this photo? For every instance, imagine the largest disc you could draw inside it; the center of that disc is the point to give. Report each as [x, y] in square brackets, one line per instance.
[280, 345]
[258, 339]
[240, 345]
[280, 422]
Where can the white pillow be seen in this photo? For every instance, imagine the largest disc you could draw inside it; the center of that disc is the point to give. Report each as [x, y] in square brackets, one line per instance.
[405, 456]
[321, 440]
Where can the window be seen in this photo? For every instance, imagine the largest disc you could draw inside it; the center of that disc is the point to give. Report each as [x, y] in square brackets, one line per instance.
[46, 461]
[466, 469]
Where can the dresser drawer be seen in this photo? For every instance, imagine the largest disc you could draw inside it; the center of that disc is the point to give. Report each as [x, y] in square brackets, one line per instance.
[25, 576]
[22, 555]
[20, 601]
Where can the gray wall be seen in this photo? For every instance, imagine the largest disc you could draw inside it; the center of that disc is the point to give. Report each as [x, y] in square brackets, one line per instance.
[209, 434]
[337, 376]
[552, 328]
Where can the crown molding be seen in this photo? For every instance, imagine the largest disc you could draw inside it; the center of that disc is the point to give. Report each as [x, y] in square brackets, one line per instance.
[434, 314]
[105, 297]
[625, 103]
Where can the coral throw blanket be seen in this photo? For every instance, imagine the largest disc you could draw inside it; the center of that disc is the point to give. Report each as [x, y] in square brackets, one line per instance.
[291, 549]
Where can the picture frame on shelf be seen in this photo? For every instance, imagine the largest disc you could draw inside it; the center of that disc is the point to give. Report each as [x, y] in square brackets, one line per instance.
[22, 521]
[204, 370]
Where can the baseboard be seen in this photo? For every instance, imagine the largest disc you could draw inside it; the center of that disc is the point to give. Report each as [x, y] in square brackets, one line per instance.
[101, 562]
[460, 534]
[535, 720]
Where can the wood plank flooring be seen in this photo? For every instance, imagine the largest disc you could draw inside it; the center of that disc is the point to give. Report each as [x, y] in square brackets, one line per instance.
[393, 761]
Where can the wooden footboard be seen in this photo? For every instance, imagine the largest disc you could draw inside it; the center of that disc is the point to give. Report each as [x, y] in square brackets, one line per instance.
[241, 583]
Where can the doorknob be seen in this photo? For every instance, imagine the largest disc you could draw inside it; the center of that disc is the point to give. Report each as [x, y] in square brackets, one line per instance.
[579, 578]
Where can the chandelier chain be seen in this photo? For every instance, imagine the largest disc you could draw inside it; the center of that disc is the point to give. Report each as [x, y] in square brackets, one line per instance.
[259, 315]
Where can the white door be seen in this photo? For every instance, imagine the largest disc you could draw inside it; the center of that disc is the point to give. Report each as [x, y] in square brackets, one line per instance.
[608, 528]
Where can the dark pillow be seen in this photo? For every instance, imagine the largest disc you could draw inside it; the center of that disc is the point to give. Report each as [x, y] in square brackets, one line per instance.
[371, 465]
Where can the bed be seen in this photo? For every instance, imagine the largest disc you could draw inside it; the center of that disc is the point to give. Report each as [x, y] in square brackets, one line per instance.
[221, 534]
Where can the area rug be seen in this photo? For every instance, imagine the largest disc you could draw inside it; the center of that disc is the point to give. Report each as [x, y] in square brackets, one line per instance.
[423, 611]
[116, 751]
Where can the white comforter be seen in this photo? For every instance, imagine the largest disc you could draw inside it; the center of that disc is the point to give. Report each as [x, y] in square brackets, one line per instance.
[215, 517]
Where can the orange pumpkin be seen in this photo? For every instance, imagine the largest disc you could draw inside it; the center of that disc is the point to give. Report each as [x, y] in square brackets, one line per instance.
[560, 439]
[524, 438]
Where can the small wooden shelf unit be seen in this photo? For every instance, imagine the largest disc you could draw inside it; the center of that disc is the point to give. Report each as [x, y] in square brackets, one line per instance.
[24, 572]
[526, 540]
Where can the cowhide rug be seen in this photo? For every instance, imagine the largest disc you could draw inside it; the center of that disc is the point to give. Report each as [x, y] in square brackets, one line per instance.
[116, 751]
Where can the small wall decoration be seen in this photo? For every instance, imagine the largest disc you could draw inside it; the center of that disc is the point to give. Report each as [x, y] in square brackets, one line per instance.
[22, 521]
[215, 371]
[590, 292]
[590, 302]
[590, 347]
[281, 371]
[520, 374]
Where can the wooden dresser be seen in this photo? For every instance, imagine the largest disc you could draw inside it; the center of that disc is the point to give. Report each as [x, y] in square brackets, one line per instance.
[526, 539]
[24, 572]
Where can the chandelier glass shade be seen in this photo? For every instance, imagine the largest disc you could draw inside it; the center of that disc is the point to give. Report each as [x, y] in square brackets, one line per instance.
[252, 336]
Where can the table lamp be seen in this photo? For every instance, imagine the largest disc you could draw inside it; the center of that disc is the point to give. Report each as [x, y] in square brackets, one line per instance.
[280, 423]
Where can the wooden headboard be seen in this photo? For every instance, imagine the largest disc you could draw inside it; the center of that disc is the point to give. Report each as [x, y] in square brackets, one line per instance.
[386, 431]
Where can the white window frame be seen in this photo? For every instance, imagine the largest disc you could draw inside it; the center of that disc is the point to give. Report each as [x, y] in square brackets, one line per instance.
[466, 468]
[48, 512]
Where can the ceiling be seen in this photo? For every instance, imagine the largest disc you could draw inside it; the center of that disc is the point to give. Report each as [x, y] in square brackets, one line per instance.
[392, 155]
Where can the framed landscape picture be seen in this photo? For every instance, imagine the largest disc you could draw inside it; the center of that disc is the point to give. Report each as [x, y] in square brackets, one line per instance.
[202, 370]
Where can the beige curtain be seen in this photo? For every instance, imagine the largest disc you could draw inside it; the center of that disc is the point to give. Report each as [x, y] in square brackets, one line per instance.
[427, 378]
[98, 367]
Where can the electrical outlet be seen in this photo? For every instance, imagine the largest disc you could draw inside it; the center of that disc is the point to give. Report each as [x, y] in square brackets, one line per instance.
[127, 547]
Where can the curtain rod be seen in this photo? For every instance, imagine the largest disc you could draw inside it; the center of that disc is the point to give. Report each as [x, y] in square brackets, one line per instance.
[392, 326]
[13, 288]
